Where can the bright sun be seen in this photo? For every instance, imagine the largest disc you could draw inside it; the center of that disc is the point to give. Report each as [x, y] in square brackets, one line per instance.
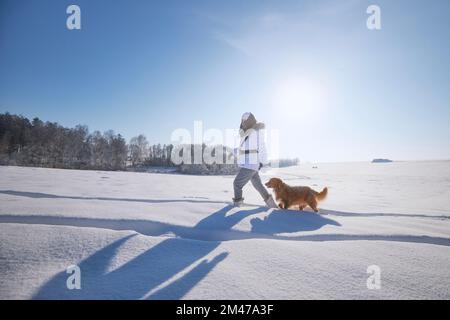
[298, 97]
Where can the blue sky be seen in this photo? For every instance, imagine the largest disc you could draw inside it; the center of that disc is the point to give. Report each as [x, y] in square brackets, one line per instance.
[334, 90]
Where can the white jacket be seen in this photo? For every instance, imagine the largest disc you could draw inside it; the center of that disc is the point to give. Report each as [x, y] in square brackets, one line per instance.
[252, 150]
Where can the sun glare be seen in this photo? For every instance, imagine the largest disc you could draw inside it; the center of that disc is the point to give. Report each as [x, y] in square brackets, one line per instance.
[298, 97]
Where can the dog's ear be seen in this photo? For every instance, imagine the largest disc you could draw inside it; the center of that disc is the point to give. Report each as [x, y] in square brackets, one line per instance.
[278, 183]
[273, 183]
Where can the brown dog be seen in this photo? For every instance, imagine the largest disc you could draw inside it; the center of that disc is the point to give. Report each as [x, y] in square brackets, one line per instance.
[288, 196]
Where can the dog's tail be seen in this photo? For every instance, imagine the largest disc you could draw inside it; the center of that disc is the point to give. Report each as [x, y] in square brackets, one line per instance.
[322, 195]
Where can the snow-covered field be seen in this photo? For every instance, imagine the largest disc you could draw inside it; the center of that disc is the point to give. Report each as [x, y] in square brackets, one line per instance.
[169, 236]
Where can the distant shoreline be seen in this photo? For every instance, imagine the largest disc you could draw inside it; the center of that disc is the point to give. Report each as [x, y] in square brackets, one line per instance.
[173, 170]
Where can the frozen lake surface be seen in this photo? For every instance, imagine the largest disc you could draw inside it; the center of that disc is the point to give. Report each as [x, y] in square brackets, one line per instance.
[170, 236]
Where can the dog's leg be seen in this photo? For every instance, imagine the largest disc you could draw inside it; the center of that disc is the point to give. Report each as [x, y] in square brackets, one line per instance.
[312, 202]
[283, 205]
[301, 207]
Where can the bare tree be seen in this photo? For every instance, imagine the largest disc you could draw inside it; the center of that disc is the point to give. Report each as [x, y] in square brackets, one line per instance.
[138, 149]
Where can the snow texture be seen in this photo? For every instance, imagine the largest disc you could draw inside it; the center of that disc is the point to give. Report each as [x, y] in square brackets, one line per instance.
[172, 236]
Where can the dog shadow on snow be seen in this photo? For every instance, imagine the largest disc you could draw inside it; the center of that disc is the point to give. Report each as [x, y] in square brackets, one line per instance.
[146, 275]
[290, 221]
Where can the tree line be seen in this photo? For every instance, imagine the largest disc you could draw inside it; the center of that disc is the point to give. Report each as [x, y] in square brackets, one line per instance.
[36, 143]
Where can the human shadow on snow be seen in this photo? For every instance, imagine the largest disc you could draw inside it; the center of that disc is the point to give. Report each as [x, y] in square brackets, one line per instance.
[141, 276]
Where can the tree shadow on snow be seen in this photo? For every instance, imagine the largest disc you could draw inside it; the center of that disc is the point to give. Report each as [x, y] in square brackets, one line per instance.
[141, 276]
[40, 195]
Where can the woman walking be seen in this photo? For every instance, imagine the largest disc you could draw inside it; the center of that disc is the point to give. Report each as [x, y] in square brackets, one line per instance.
[251, 156]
